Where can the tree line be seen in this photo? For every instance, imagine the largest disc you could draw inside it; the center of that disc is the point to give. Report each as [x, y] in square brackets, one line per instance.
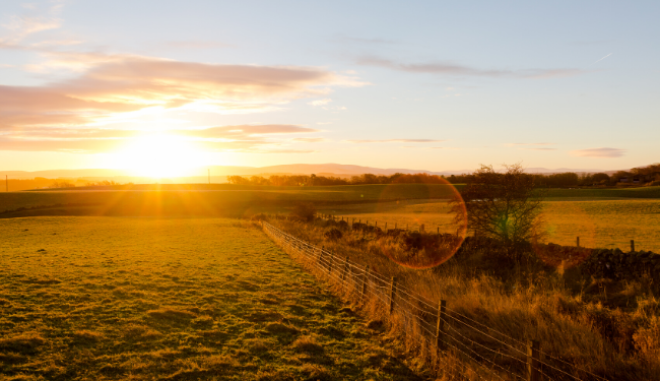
[649, 175]
[313, 180]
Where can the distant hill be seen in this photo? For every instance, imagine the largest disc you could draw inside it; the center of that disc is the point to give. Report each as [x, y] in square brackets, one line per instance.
[341, 170]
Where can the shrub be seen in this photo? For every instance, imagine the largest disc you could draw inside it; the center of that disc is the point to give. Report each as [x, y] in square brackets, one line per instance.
[259, 217]
[333, 234]
[304, 211]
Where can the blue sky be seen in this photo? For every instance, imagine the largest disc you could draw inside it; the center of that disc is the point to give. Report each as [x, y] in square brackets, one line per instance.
[418, 84]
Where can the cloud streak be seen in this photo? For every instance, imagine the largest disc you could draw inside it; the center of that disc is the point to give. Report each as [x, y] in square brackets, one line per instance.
[125, 84]
[395, 141]
[599, 152]
[446, 68]
[84, 140]
[21, 27]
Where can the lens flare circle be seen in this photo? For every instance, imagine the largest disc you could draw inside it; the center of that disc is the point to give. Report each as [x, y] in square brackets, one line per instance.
[425, 249]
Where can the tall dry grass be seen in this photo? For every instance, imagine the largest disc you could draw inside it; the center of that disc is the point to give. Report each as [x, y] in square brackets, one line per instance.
[611, 331]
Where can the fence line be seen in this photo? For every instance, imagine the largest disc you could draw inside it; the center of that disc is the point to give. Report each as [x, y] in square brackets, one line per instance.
[632, 244]
[457, 346]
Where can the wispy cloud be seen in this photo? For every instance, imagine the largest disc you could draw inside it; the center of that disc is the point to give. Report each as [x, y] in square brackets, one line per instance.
[599, 152]
[289, 151]
[447, 68]
[122, 84]
[308, 140]
[320, 102]
[530, 144]
[601, 59]
[395, 141]
[236, 137]
[20, 27]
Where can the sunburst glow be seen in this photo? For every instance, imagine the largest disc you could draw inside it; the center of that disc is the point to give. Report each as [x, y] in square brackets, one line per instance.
[160, 156]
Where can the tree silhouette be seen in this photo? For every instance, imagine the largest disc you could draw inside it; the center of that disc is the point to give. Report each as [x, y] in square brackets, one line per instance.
[504, 206]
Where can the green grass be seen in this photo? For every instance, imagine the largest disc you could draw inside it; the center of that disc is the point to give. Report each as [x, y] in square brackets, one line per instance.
[92, 298]
[642, 192]
[215, 200]
[601, 217]
[602, 224]
[235, 200]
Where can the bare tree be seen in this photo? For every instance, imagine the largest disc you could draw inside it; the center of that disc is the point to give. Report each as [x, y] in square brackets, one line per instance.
[504, 206]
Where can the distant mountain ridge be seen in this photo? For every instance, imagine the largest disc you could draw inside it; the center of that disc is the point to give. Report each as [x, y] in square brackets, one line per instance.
[289, 169]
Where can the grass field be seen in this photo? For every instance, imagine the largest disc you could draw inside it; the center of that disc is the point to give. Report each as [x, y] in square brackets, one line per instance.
[605, 218]
[211, 199]
[602, 224]
[218, 197]
[94, 298]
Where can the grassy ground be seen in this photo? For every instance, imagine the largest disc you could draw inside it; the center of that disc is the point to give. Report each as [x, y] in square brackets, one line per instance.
[218, 197]
[610, 329]
[93, 298]
[642, 192]
[603, 224]
[214, 197]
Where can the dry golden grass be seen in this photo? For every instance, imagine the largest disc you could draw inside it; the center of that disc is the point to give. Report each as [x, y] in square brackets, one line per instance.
[608, 329]
[100, 298]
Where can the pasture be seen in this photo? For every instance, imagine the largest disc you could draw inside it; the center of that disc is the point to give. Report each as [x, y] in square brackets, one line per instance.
[215, 198]
[94, 298]
[606, 218]
[598, 223]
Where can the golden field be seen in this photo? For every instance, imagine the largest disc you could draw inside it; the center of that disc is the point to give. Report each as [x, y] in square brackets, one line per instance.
[100, 298]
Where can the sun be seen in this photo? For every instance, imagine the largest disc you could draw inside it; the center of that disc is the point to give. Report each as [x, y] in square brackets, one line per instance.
[160, 156]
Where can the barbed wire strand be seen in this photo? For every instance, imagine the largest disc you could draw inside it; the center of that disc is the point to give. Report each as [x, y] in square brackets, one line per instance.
[330, 258]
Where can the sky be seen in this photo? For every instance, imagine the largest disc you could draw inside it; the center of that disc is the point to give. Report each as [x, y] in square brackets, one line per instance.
[161, 86]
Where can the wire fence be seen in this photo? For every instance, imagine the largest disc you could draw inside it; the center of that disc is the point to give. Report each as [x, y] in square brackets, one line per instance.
[454, 346]
[625, 245]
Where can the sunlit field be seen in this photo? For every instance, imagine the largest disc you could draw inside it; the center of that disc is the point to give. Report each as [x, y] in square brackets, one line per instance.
[598, 217]
[207, 199]
[93, 298]
[602, 224]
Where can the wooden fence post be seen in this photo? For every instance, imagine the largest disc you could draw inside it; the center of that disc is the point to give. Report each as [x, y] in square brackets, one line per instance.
[392, 294]
[533, 373]
[632, 245]
[386, 226]
[438, 231]
[364, 282]
[578, 241]
[440, 329]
